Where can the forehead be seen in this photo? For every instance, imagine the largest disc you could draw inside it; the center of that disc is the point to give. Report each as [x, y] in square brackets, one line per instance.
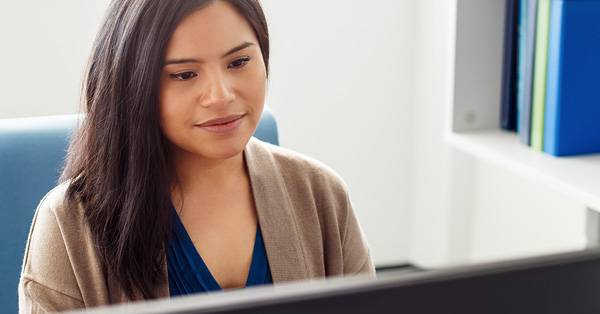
[209, 32]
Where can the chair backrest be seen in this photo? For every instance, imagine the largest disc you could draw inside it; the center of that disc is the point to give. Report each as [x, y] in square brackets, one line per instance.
[32, 152]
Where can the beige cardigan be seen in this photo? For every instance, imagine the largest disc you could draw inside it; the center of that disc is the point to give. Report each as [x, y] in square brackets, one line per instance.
[309, 229]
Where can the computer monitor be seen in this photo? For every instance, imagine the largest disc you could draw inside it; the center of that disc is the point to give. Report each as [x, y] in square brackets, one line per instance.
[558, 283]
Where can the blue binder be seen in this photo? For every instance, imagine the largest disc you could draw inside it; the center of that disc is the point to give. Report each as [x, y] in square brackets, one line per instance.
[572, 117]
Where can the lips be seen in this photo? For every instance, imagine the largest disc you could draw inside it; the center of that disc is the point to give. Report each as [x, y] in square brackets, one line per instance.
[222, 120]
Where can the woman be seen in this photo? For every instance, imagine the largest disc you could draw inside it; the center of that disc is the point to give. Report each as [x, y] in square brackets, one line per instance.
[165, 192]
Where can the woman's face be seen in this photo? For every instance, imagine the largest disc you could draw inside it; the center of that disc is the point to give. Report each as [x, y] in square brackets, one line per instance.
[213, 69]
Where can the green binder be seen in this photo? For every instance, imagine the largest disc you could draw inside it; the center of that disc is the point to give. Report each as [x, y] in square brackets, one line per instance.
[539, 76]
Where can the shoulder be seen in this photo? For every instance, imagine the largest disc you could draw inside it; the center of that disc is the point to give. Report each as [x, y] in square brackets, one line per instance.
[316, 192]
[46, 259]
[56, 207]
[55, 200]
[50, 210]
[303, 170]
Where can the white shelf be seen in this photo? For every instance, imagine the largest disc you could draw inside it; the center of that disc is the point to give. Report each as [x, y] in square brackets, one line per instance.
[577, 177]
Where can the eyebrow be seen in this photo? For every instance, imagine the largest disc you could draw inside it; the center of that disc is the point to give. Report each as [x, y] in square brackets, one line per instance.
[233, 50]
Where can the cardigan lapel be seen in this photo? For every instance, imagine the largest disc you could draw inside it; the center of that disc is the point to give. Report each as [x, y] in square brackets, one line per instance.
[275, 215]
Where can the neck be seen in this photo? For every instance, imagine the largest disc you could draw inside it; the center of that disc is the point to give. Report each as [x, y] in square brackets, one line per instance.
[196, 174]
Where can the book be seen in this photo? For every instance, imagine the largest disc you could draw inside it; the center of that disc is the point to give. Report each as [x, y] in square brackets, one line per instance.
[572, 125]
[539, 75]
[508, 114]
[525, 60]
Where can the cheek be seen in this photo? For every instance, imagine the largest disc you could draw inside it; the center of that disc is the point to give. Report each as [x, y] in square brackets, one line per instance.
[172, 111]
[255, 87]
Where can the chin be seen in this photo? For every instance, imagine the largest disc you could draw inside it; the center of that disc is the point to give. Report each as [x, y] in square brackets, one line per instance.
[225, 149]
[222, 154]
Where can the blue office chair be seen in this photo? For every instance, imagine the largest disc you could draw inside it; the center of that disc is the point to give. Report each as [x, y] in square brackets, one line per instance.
[32, 151]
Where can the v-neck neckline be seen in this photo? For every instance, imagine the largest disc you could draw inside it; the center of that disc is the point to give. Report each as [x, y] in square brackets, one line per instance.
[278, 224]
[211, 281]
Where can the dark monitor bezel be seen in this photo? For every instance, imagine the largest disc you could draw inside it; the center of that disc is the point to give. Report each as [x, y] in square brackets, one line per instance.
[555, 283]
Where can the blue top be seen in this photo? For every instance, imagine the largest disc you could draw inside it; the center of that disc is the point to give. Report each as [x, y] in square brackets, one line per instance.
[189, 274]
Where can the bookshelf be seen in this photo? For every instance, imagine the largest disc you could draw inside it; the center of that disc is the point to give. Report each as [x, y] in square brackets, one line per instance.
[474, 115]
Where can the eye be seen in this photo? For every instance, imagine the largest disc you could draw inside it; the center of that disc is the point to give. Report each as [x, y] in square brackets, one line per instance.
[239, 63]
[183, 76]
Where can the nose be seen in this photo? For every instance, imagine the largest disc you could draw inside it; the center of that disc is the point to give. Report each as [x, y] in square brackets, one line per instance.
[217, 92]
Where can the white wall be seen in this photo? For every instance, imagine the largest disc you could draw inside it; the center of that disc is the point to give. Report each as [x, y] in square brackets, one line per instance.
[439, 208]
[45, 45]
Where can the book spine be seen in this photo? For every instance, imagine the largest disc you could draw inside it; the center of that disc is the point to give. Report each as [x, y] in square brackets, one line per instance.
[555, 44]
[539, 80]
[526, 60]
[509, 107]
[577, 106]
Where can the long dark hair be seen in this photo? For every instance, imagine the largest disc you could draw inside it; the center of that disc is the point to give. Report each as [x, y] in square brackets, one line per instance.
[117, 165]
